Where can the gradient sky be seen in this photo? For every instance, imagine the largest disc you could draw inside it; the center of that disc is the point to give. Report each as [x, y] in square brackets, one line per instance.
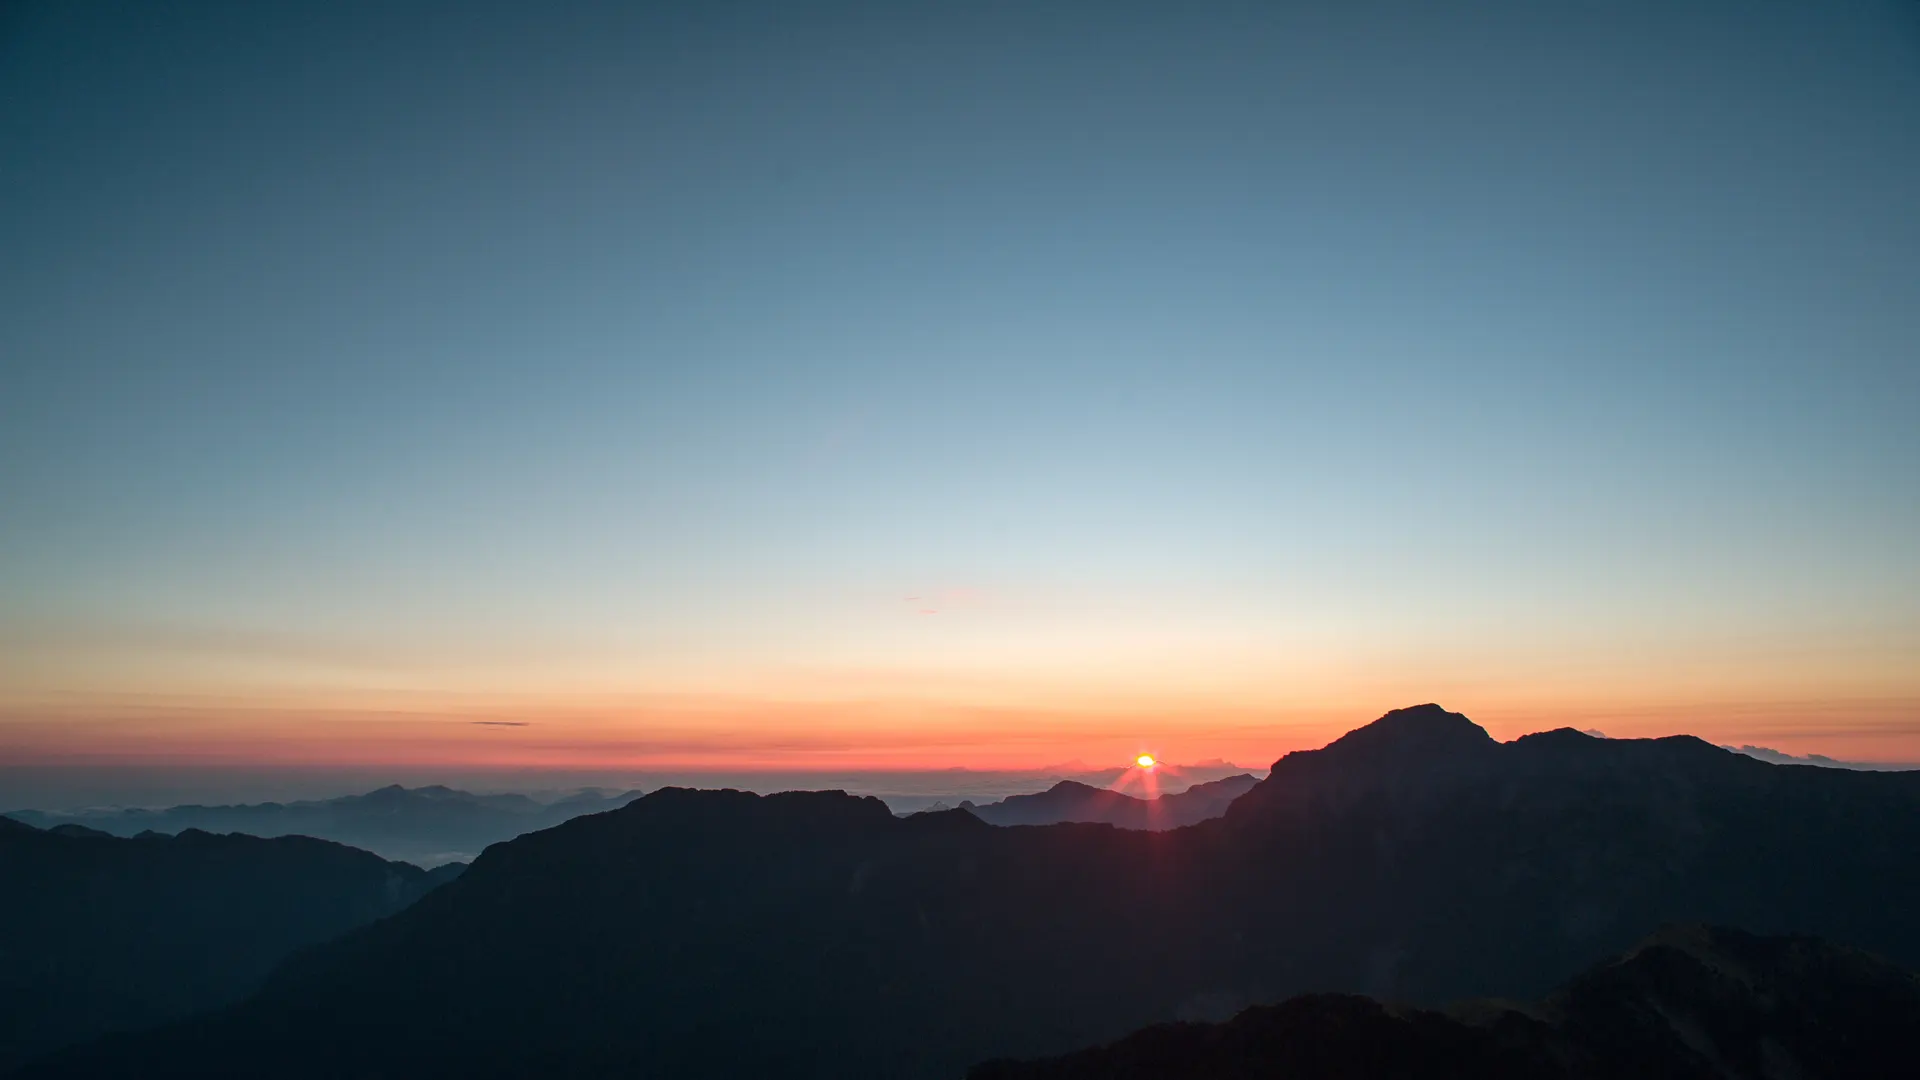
[952, 384]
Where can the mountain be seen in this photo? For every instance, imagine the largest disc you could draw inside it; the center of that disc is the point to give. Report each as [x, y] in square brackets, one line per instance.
[1692, 1003]
[813, 934]
[426, 826]
[1070, 800]
[99, 933]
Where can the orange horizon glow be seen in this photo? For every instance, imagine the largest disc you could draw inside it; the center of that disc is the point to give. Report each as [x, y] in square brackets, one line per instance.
[692, 732]
[1003, 680]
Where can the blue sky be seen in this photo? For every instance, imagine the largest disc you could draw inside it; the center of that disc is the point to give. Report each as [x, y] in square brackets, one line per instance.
[1253, 360]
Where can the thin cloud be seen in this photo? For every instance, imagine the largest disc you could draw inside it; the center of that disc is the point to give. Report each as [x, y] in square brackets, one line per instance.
[500, 723]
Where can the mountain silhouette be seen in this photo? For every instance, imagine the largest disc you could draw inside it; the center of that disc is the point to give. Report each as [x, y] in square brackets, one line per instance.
[426, 826]
[1691, 1003]
[1070, 800]
[99, 933]
[720, 933]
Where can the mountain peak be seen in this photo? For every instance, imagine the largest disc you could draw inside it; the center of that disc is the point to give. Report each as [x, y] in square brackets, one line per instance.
[1409, 753]
[1074, 787]
[1420, 729]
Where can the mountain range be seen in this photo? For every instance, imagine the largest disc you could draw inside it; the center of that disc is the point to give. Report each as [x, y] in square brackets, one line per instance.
[814, 934]
[1070, 800]
[426, 826]
[101, 933]
[1691, 1003]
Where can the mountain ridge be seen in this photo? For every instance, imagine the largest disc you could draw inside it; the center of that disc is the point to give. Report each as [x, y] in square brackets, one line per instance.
[1073, 801]
[1687, 1003]
[816, 934]
[425, 825]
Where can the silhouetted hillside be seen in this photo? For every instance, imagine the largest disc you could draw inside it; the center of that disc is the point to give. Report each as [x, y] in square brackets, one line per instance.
[426, 826]
[1690, 1004]
[1070, 800]
[717, 933]
[99, 933]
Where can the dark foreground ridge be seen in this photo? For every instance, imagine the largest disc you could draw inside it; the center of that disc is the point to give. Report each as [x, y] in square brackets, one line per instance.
[1692, 1003]
[1071, 800]
[99, 933]
[813, 934]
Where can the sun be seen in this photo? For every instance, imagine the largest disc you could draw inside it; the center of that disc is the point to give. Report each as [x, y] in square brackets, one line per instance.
[1145, 761]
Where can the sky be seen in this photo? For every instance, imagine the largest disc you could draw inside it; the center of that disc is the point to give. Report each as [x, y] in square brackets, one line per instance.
[920, 385]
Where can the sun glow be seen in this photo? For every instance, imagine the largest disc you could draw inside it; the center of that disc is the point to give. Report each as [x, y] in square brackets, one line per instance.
[1145, 761]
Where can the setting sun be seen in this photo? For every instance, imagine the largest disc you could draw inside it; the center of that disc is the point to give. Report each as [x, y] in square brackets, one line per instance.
[1145, 761]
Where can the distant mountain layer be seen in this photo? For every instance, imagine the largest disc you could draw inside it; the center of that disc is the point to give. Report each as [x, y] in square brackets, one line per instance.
[426, 826]
[909, 793]
[100, 933]
[813, 934]
[1692, 1003]
[1070, 800]
[1780, 757]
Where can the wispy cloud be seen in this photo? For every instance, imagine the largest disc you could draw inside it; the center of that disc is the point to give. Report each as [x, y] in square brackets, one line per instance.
[500, 723]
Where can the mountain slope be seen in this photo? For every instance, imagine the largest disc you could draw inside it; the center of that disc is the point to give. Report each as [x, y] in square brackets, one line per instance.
[1692, 1003]
[1070, 800]
[99, 933]
[814, 934]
